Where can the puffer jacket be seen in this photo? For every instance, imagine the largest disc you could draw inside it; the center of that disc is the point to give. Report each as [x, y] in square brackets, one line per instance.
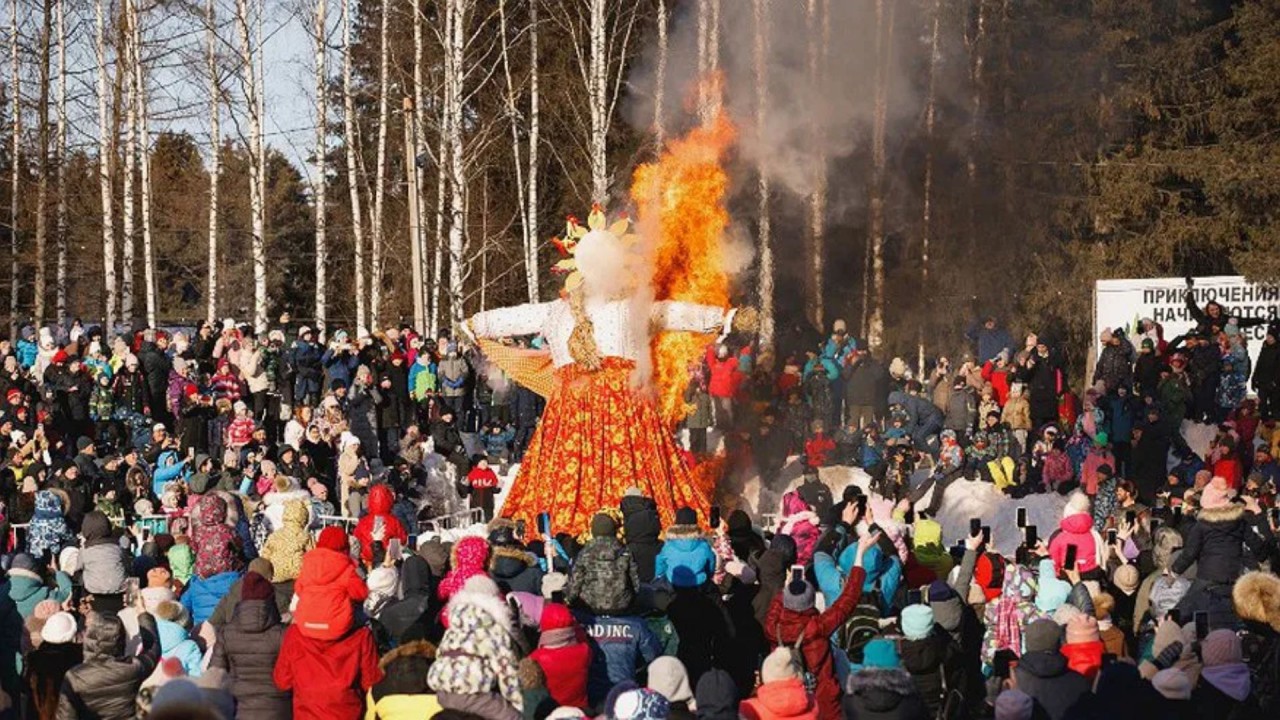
[176, 642]
[103, 561]
[882, 694]
[414, 616]
[1010, 613]
[780, 700]
[27, 589]
[935, 666]
[1076, 529]
[329, 679]
[287, 545]
[453, 373]
[515, 570]
[48, 529]
[469, 557]
[247, 649]
[326, 588]
[403, 692]
[1218, 544]
[105, 686]
[202, 596]
[217, 547]
[686, 559]
[478, 653]
[812, 631]
[604, 577]
[380, 501]
[642, 529]
[1053, 686]
[619, 644]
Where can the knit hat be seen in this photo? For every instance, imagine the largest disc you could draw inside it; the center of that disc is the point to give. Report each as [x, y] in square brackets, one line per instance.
[255, 587]
[1173, 684]
[779, 665]
[333, 538]
[927, 532]
[668, 676]
[59, 628]
[940, 591]
[1100, 439]
[1126, 579]
[69, 560]
[482, 585]
[555, 617]
[565, 713]
[1014, 705]
[641, 704]
[153, 596]
[916, 621]
[1043, 635]
[632, 491]
[1082, 629]
[83, 442]
[686, 516]
[383, 580]
[603, 526]
[1221, 647]
[1076, 504]
[1216, 494]
[23, 561]
[263, 567]
[798, 596]
[881, 653]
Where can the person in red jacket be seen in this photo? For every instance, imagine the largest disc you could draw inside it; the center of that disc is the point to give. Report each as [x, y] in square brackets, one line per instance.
[793, 620]
[726, 375]
[328, 678]
[326, 587]
[819, 445]
[564, 656]
[379, 525]
[483, 483]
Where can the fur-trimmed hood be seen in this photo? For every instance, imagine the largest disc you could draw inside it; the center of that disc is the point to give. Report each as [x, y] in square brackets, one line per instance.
[492, 607]
[1257, 598]
[684, 532]
[415, 649]
[509, 561]
[1220, 515]
[879, 689]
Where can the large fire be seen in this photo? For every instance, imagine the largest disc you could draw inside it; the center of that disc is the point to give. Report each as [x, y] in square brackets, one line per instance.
[680, 201]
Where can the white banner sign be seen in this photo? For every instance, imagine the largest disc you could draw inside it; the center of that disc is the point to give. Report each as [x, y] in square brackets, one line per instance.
[1122, 303]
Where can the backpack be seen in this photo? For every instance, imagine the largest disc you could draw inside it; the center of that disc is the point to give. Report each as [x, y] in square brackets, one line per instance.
[862, 627]
[797, 659]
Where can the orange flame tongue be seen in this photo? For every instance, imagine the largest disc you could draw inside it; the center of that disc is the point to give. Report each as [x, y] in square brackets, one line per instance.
[680, 199]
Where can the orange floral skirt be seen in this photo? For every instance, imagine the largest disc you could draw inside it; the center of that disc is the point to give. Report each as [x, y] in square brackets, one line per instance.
[598, 437]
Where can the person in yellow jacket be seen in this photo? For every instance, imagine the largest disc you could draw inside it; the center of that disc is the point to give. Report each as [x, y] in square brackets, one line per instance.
[403, 693]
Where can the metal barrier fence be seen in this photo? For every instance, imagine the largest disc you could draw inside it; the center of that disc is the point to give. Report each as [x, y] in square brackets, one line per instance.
[460, 519]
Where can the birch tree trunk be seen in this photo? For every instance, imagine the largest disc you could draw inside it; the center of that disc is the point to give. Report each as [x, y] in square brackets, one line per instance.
[215, 161]
[420, 124]
[764, 241]
[598, 100]
[528, 235]
[249, 81]
[819, 33]
[321, 181]
[926, 220]
[42, 162]
[660, 81]
[454, 74]
[353, 183]
[105, 151]
[130, 161]
[144, 141]
[531, 192]
[15, 157]
[60, 227]
[379, 193]
[442, 183]
[708, 58]
[884, 51]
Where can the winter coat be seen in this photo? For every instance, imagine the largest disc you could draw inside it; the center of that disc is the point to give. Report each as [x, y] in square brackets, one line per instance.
[155, 367]
[1114, 366]
[202, 595]
[217, 547]
[961, 411]
[286, 546]
[328, 678]
[515, 570]
[478, 653]
[1084, 657]
[252, 370]
[812, 631]
[304, 357]
[469, 557]
[1053, 686]
[883, 694]
[247, 649]
[604, 577]
[453, 373]
[339, 366]
[802, 525]
[1076, 529]
[43, 671]
[780, 700]
[410, 617]
[403, 692]
[1219, 544]
[105, 565]
[935, 666]
[619, 643]
[176, 642]
[27, 589]
[422, 378]
[226, 608]
[48, 529]
[725, 375]
[565, 658]
[326, 587]
[380, 501]
[641, 527]
[923, 416]
[105, 686]
[686, 559]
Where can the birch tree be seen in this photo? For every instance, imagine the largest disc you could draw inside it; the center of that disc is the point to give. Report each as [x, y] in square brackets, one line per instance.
[380, 176]
[660, 81]
[320, 182]
[15, 157]
[144, 141]
[875, 239]
[105, 151]
[818, 18]
[42, 160]
[527, 202]
[454, 74]
[353, 184]
[60, 226]
[215, 159]
[124, 75]
[708, 58]
[764, 243]
[926, 219]
[531, 191]
[251, 89]
[420, 124]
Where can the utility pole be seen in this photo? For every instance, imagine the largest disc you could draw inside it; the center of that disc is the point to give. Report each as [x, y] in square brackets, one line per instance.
[415, 214]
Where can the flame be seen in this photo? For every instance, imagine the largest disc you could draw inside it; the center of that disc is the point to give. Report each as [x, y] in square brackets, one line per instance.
[680, 200]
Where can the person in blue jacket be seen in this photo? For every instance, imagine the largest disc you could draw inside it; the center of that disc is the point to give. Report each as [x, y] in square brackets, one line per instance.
[924, 420]
[175, 638]
[27, 349]
[989, 338]
[686, 558]
[620, 646]
[168, 469]
[340, 360]
[304, 357]
[202, 596]
[883, 573]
